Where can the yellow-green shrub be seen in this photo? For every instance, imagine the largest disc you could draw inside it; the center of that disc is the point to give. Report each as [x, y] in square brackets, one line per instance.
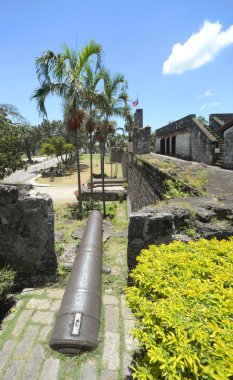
[182, 300]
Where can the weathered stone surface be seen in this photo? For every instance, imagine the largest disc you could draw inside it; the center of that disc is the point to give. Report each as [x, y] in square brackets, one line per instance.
[127, 364]
[68, 257]
[111, 318]
[27, 342]
[33, 363]
[8, 194]
[123, 233]
[44, 317]
[13, 370]
[44, 333]
[109, 375]
[55, 293]
[207, 217]
[88, 371]
[27, 232]
[55, 305]
[110, 300]
[181, 237]
[58, 236]
[204, 215]
[50, 369]
[37, 303]
[111, 351]
[36, 292]
[125, 310]
[130, 343]
[21, 322]
[78, 234]
[5, 353]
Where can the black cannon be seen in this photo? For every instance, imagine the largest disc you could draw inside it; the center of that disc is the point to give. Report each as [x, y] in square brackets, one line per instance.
[77, 324]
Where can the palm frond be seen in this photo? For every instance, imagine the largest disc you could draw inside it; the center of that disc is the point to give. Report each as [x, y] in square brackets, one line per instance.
[89, 50]
[41, 93]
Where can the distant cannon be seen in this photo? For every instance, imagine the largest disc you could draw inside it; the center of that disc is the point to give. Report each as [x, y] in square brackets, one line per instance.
[77, 324]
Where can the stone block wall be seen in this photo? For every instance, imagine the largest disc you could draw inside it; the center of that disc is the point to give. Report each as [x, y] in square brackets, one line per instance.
[141, 140]
[124, 163]
[138, 117]
[27, 233]
[223, 117]
[178, 125]
[145, 184]
[228, 148]
[202, 148]
[183, 146]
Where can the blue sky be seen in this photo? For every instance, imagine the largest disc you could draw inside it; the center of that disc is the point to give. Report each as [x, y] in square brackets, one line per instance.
[176, 55]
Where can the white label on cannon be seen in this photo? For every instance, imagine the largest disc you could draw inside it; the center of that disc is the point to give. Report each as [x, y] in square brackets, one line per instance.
[77, 324]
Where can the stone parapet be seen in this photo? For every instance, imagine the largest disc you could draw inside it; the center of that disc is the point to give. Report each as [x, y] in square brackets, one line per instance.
[27, 232]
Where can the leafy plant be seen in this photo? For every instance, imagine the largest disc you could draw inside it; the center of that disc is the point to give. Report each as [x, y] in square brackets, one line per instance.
[182, 302]
[7, 277]
[73, 211]
[175, 189]
[90, 205]
[111, 210]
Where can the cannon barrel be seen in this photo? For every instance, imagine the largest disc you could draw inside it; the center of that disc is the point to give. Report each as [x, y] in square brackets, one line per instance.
[77, 324]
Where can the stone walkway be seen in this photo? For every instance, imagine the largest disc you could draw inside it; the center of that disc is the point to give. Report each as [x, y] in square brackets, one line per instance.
[25, 353]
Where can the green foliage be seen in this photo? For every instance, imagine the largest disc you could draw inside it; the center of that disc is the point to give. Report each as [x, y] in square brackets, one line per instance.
[111, 210]
[7, 277]
[182, 299]
[90, 205]
[11, 146]
[190, 231]
[175, 189]
[73, 211]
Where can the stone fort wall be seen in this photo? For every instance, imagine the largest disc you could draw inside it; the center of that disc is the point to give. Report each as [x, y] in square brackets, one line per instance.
[27, 234]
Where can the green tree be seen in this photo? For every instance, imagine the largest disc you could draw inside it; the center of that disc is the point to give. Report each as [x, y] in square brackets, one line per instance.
[48, 149]
[202, 120]
[29, 136]
[92, 80]
[62, 75]
[113, 101]
[11, 148]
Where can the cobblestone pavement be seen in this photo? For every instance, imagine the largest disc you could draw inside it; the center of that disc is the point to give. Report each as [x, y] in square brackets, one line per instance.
[25, 353]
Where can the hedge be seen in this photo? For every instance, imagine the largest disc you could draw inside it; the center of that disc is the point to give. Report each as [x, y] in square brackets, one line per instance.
[182, 299]
[7, 277]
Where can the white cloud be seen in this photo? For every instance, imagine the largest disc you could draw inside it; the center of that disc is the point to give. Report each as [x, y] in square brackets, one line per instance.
[199, 49]
[203, 107]
[207, 106]
[208, 93]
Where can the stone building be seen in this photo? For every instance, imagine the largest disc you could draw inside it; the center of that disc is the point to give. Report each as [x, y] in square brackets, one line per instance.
[189, 139]
[141, 140]
[138, 118]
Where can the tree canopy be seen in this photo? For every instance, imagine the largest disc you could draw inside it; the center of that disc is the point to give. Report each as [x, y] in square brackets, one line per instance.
[11, 146]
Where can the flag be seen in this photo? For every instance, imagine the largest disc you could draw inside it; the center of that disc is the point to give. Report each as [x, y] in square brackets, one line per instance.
[135, 103]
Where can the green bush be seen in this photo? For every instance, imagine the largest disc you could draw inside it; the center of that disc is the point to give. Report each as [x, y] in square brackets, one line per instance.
[111, 210]
[73, 209]
[7, 277]
[182, 300]
[174, 189]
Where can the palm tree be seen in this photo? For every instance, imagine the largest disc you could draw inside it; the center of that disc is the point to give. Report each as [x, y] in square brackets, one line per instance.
[62, 75]
[112, 102]
[91, 81]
